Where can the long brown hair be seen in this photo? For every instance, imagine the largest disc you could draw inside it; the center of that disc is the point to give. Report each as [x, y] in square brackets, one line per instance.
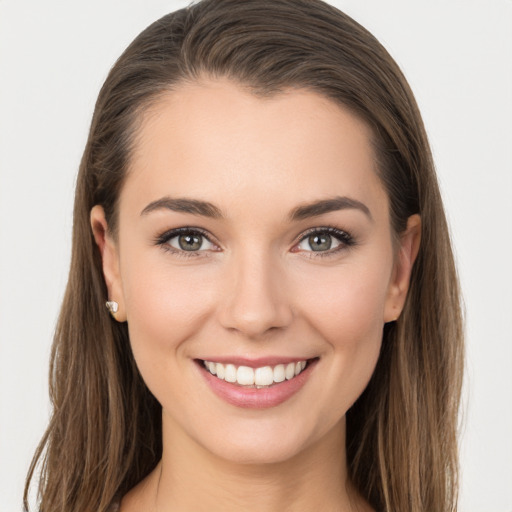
[105, 432]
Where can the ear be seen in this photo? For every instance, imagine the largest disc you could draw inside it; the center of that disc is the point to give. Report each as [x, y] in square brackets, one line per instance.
[404, 260]
[109, 259]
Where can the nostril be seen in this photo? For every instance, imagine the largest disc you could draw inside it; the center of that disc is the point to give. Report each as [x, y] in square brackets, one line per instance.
[254, 302]
[255, 318]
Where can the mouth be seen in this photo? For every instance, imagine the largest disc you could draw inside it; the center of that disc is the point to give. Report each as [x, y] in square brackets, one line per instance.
[256, 384]
[260, 377]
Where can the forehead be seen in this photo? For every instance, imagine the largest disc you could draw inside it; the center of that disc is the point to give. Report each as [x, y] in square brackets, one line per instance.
[219, 142]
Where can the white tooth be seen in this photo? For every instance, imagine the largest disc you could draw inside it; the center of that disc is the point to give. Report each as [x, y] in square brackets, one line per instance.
[245, 376]
[220, 370]
[298, 368]
[212, 367]
[279, 375]
[263, 376]
[230, 373]
[302, 365]
[290, 371]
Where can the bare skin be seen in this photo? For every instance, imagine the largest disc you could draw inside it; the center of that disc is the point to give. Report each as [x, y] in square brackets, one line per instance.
[309, 481]
[293, 257]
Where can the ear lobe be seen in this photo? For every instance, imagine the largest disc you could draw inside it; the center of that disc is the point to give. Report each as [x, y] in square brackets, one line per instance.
[109, 260]
[407, 252]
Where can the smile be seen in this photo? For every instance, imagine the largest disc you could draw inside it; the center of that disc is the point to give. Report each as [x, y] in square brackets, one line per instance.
[261, 385]
[262, 377]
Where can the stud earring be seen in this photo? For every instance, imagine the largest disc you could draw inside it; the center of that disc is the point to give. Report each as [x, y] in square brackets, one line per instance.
[112, 306]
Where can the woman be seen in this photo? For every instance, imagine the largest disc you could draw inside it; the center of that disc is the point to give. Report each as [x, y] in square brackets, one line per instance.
[258, 209]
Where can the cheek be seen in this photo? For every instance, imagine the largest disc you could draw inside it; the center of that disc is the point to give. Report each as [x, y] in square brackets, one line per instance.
[348, 308]
[166, 310]
[165, 306]
[348, 314]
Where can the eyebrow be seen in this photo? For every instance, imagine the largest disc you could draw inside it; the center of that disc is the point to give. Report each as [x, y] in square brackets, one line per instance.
[329, 205]
[305, 211]
[192, 206]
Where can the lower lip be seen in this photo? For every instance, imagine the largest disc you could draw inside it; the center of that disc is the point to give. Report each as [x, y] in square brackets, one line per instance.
[253, 398]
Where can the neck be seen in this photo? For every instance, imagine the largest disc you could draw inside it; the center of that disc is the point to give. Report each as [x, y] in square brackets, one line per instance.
[191, 478]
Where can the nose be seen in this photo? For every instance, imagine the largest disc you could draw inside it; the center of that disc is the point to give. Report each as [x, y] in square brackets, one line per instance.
[255, 297]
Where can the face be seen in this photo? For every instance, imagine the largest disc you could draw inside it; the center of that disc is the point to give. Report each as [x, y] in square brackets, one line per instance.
[254, 239]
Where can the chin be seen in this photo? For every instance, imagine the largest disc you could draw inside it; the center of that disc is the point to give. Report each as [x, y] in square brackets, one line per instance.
[256, 442]
[258, 451]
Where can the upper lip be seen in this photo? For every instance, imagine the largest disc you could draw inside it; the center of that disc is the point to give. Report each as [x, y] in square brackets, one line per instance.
[257, 362]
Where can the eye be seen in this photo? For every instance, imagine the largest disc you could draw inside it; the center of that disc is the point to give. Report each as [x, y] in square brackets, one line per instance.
[186, 240]
[190, 242]
[318, 242]
[324, 240]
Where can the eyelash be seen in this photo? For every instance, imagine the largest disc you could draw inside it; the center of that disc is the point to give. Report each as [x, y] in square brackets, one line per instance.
[346, 241]
[163, 241]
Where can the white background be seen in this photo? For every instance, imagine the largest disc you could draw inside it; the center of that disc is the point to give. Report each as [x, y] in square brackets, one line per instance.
[54, 55]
